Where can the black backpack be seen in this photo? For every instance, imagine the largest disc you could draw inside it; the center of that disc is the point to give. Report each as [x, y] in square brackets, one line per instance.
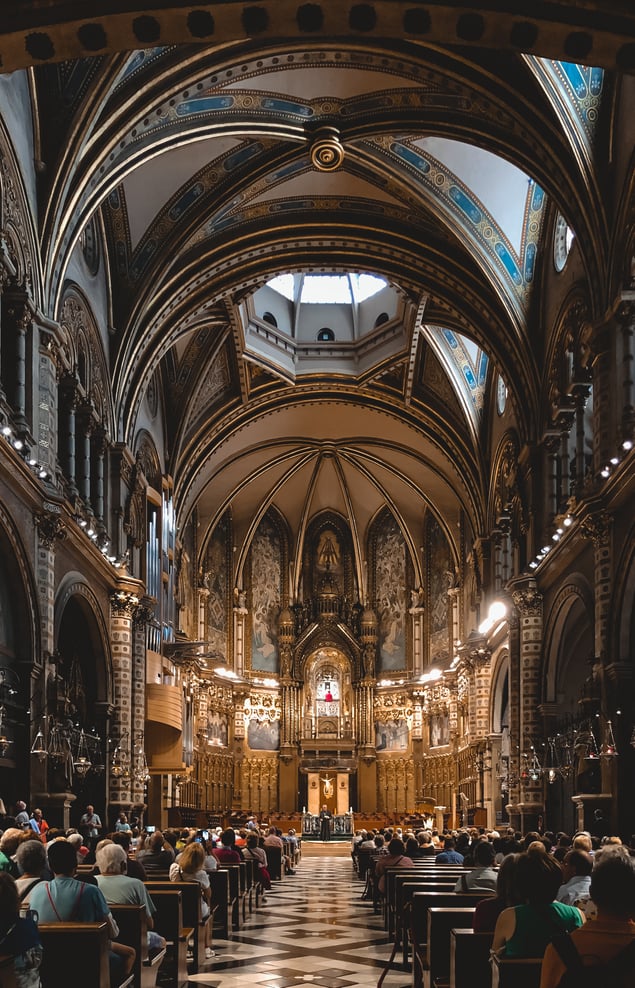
[601, 973]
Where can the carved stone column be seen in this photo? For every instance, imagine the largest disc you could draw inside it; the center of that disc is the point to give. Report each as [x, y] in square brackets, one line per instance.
[240, 621]
[46, 428]
[85, 428]
[67, 431]
[51, 530]
[417, 611]
[18, 320]
[626, 317]
[528, 603]
[123, 604]
[598, 528]
[142, 614]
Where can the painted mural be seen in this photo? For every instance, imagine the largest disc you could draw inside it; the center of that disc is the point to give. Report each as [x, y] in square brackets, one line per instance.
[217, 729]
[391, 735]
[263, 735]
[390, 593]
[439, 730]
[266, 580]
[440, 573]
[215, 580]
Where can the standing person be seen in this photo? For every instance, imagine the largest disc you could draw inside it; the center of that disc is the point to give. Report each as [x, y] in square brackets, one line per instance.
[325, 823]
[38, 824]
[18, 937]
[90, 824]
[21, 816]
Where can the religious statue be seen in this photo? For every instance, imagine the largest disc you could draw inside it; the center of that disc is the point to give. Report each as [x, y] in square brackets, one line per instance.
[328, 786]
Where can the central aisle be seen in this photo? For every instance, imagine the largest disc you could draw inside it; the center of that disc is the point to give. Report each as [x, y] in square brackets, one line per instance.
[314, 929]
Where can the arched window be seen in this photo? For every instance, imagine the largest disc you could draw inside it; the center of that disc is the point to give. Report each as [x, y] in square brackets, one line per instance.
[326, 335]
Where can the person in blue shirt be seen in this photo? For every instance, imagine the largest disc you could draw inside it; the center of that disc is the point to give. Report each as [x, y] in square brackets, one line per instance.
[449, 855]
[67, 900]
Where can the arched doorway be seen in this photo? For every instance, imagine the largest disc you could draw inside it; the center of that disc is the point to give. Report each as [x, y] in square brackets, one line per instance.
[78, 708]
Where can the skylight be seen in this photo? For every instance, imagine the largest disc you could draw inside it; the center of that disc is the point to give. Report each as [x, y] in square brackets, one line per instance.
[315, 289]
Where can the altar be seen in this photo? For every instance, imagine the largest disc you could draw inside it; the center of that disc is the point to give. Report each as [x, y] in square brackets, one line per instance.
[341, 826]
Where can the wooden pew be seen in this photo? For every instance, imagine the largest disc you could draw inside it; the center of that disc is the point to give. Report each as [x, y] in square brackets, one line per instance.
[221, 910]
[469, 959]
[192, 914]
[420, 904]
[168, 921]
[85, 946]
[404, 891]
[512, 972]
[133, 931]
[233, 901]
[7, 973]
[274, 858]
[441, 921]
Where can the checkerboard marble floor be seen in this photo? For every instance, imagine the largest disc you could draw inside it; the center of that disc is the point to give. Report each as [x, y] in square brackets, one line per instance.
[313, 930]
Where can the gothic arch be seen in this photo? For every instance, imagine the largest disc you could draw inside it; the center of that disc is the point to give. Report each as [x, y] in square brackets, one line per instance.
[26, 611]
[75, 588]
[500, 686]
[624, 603]
[569, 624]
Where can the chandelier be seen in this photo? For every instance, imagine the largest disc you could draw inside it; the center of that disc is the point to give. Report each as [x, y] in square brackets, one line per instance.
[141, 773]
[120, 762]
[81, 761]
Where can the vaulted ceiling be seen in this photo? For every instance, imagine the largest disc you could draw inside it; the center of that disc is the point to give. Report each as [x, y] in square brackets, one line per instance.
[208, 171]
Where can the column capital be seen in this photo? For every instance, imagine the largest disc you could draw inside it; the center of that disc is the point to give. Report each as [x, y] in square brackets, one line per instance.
[50, 526]
[124, 603]
[597, 527]
[526, 597]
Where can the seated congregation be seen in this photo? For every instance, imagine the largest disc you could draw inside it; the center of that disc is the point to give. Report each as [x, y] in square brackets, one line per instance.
[472, 909]
[122, 914]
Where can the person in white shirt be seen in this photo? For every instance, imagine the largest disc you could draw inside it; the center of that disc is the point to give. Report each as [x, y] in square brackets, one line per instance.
[576, 870]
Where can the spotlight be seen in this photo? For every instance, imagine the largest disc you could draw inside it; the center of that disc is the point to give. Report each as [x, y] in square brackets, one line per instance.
[627, 444]
[568, 521]
[18, 444]
[41, 473]
[6, 430]
[615, 460]
[605, 472]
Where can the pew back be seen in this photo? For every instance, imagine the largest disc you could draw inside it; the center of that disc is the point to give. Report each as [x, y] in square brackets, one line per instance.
[469, 959]
[84, 945]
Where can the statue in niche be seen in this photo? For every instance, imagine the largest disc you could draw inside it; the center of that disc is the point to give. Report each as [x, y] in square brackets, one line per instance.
[368, 658]
[416, 598]
[328, 553]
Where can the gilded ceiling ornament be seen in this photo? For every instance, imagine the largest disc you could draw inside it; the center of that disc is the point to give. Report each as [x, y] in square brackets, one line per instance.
[327, 153]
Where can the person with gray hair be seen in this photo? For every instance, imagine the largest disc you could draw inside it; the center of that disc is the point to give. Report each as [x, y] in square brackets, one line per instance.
[121, 890]
[31, 860]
